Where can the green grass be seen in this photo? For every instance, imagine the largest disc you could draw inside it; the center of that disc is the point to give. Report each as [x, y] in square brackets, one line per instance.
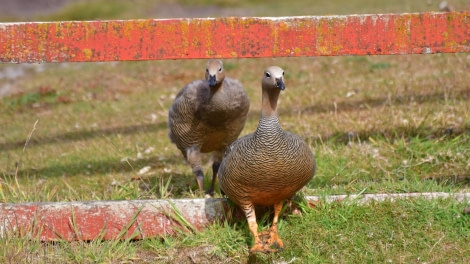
[405, 231]
[376, 123]
[384, 130]
[90, 10]
[402, 128]
[123, 9]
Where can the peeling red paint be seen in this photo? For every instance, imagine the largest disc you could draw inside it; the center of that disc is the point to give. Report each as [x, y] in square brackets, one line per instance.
[106, 219]
[139, 219]
[235, 37]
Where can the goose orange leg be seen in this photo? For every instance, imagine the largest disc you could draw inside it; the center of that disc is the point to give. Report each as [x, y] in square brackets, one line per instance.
[258, 245]
[275, 243]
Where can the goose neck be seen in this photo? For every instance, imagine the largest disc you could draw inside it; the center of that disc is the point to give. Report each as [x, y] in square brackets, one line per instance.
[214, 89]
[269, 103]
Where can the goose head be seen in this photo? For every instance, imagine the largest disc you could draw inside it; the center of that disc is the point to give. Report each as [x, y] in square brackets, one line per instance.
[215, 72]
[273, 77]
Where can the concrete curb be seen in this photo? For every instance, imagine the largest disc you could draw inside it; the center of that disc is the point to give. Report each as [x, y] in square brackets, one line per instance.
[138, 219]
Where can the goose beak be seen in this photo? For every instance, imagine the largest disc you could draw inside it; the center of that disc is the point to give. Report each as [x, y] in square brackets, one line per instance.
[212, 80]
[280, 84]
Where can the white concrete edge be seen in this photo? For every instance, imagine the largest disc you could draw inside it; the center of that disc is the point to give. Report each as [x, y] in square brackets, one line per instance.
[379, 197]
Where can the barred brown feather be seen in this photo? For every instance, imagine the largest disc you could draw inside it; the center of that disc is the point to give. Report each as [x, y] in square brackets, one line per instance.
[268, 166]
[207, 116]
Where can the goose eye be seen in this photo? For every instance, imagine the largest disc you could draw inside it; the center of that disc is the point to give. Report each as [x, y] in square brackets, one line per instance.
[267, 75]
[282, 73]
[220, 69]
[207, 70]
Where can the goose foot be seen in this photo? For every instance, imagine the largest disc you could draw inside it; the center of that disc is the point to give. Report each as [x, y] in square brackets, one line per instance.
[209, 193]
[269, 242]
[260, 247]
[274, 241]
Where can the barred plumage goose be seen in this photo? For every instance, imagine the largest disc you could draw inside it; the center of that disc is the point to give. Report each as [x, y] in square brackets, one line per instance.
[266, 167]
[207, 116]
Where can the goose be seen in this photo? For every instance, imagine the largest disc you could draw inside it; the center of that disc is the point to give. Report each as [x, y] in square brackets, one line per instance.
[207, 116]
[266, 167]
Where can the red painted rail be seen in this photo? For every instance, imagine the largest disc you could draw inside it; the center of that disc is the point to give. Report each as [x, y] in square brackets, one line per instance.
[235, 37]
[140, 218]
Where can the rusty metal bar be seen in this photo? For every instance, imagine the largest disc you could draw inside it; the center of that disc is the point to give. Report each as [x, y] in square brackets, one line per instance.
[141, 218]
[235, 37]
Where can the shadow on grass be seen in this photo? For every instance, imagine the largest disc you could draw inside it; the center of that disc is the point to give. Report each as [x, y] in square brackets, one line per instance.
[401, 99]
[344, 137]
[463, 179]
[84, 134]
[321, 108]
[235, 217]
[181, 182]
[95, 167]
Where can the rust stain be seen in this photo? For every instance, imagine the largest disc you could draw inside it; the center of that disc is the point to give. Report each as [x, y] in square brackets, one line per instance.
[234, 37]
[88, 53]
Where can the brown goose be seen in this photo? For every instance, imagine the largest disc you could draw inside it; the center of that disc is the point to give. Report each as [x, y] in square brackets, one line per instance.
[266, 167]
[207, 116]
